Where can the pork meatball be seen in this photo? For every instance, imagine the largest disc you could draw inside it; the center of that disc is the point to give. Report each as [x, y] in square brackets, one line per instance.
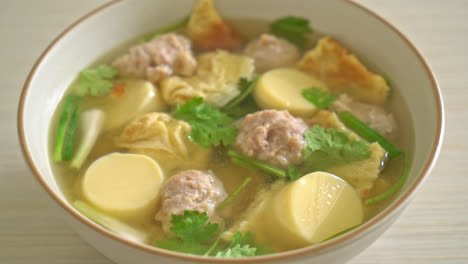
[270, 52]
[190, 190]
[163, 56]
[376, 117]
[272, 136]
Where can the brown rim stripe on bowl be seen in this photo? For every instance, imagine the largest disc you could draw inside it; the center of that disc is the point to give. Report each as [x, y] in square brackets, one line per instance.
[294, 253]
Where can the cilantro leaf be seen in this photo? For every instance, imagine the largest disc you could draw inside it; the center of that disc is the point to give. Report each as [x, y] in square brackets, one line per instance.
[238, 238]
[209, 125]
[244, 84]
[194, 235]
[192, 232]
[249, 239]
[318, 97]
[326, 147]
[293, 173]
[244, 103]
[244, 246]
[247, 106]
[294, 29]
[96, 81]
[240, 246]
[193, 227]
[237, 251]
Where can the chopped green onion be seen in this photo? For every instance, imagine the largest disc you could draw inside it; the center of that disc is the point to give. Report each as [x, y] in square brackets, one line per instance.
[71, 133]
[62, 127]
[395, 187]
[173, 27]
[250, 86]
[234, 194]
[243, 163]
[66, 128]
[247, 162]
[91, 122]
[369, 134]
[110, 223]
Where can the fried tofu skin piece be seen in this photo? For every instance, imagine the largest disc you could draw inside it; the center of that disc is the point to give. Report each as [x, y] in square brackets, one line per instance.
[343, 72]
[360, 174]
[328, 119]
[215, 80]
[164, 139]
[209, 31]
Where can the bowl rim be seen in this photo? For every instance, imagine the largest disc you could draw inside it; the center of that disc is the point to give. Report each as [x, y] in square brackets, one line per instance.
[399, 202]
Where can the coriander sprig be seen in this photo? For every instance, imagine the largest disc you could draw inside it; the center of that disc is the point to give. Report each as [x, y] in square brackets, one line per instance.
[246, 87]
[192, 232]
[330, 146]
[97, 81]
[320, 98]
[195, 235]
[209, 125]
[294, 29]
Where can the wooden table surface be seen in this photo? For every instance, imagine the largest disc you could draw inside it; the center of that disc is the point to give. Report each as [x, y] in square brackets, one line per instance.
[433, 229]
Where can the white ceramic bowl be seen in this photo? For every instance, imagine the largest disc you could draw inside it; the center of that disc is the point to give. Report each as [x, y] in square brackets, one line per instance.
[372, 38]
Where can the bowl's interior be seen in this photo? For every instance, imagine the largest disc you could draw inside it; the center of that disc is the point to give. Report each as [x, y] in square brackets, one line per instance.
[366, 35]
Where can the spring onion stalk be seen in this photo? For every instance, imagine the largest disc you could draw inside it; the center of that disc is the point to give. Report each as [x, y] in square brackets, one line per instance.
[243, 163]
[91, 123]
[222, 226]
[66, 128]
[173, 27]
[234, 194]
[369, 134]
[110, 223]
[341, 233]
[255, 164]
[62, 127]
[70, 134]
[243, 95]
[395, 187]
